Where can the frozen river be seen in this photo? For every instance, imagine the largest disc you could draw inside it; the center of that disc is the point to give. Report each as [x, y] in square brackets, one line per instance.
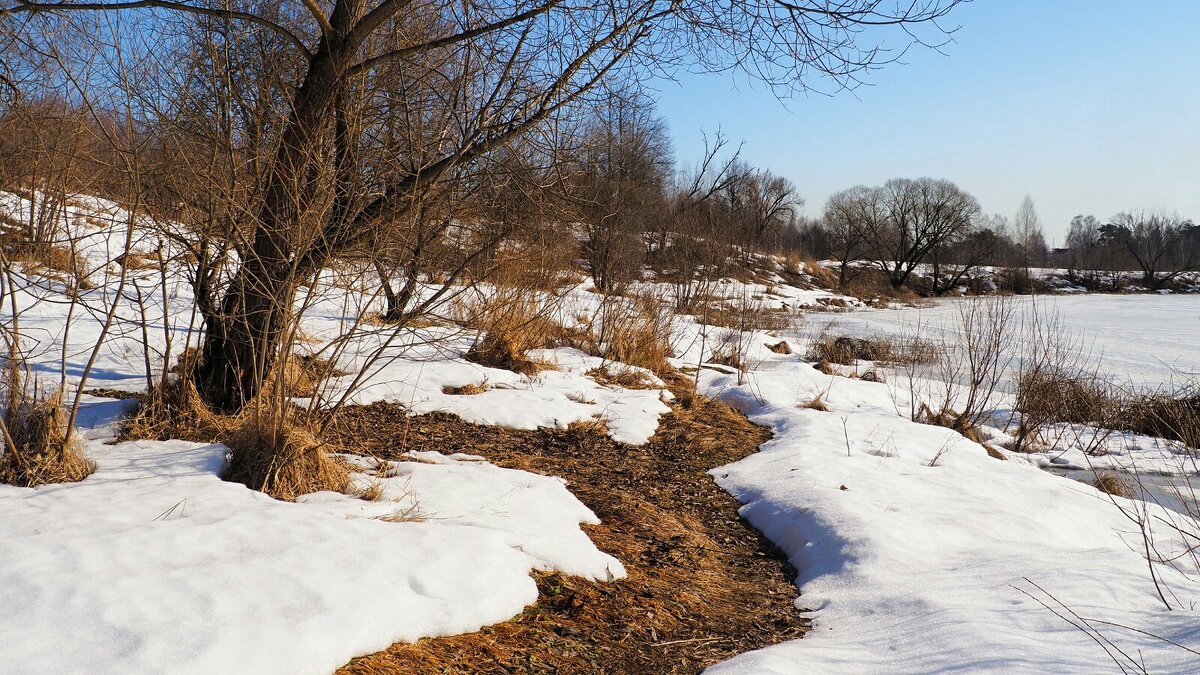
[1145, 339]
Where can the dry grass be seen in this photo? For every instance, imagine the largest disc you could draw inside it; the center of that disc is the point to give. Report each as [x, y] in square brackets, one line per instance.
[816, 404]
[281, 458]
[1174, 416]
[637, 332]
[512, 323]
[41, 453]
[702, 585]
[137, 261]
[271, 448]
[465, 390]
[781, 347]
[1112, 483]
[746, 316]
[302, 374]
[870, 284]
[175, 410]
[626, 378]
[1058, 396]
[845, 350]
[45, 259]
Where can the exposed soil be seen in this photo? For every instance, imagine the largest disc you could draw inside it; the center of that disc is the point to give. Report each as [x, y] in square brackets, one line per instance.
[703, 585]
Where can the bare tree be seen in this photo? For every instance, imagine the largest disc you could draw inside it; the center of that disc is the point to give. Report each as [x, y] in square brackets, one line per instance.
[1027, 230]
[850, 215]
[906, 221]
[625, 165]
[1163, 246]
[319, 189]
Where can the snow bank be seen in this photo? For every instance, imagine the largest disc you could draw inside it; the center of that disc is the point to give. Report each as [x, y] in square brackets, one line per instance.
[154, 564]
[916, 568]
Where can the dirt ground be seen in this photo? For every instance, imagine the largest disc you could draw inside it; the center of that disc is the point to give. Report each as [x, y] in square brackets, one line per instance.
[702, 586]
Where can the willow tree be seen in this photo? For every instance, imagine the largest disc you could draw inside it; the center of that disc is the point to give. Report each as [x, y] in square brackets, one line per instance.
[323, 183]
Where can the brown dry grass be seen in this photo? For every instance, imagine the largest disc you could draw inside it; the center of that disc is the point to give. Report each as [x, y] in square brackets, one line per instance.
[271, 447]
[465, 390]
[845, 350]
[281, 458]
[781, 347]
[41, 453]
[302, 374]
[702, 585]
[621, 377]
[753, 316]
[512, 323]
[870, 284]
[637, 333]
[175, 410]
[1113, 484]
[816, 404]
[50, 260]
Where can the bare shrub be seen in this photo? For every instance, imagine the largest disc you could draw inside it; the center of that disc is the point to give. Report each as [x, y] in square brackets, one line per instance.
[952, 382]
[1057, 381]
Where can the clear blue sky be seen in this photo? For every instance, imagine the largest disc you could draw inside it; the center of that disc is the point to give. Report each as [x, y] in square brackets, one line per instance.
[1088, 106]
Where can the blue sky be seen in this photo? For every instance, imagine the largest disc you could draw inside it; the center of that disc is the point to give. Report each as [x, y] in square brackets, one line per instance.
[1088, 106]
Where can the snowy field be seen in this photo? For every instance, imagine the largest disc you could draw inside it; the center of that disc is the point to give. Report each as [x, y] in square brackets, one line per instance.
[1145, 339]
[916, 551]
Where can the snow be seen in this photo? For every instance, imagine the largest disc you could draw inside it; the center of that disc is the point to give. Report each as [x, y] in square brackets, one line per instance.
[911, 543]
[913, 546]
[154, 564]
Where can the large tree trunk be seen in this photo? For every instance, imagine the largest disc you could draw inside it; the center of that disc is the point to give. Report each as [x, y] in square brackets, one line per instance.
[242, 342]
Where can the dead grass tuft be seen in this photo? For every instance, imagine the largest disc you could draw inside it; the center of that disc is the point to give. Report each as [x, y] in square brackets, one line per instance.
[1112, 483]
[746, 316]
[465, 390]
[781, 347]
[281, 458]
[816, 404]
[1058, 396]
[302, 374]
[41, 452]
[626, 378]
[637, 332]
[511, 324]
[845, 350]
[175, 410]
[45, 259]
